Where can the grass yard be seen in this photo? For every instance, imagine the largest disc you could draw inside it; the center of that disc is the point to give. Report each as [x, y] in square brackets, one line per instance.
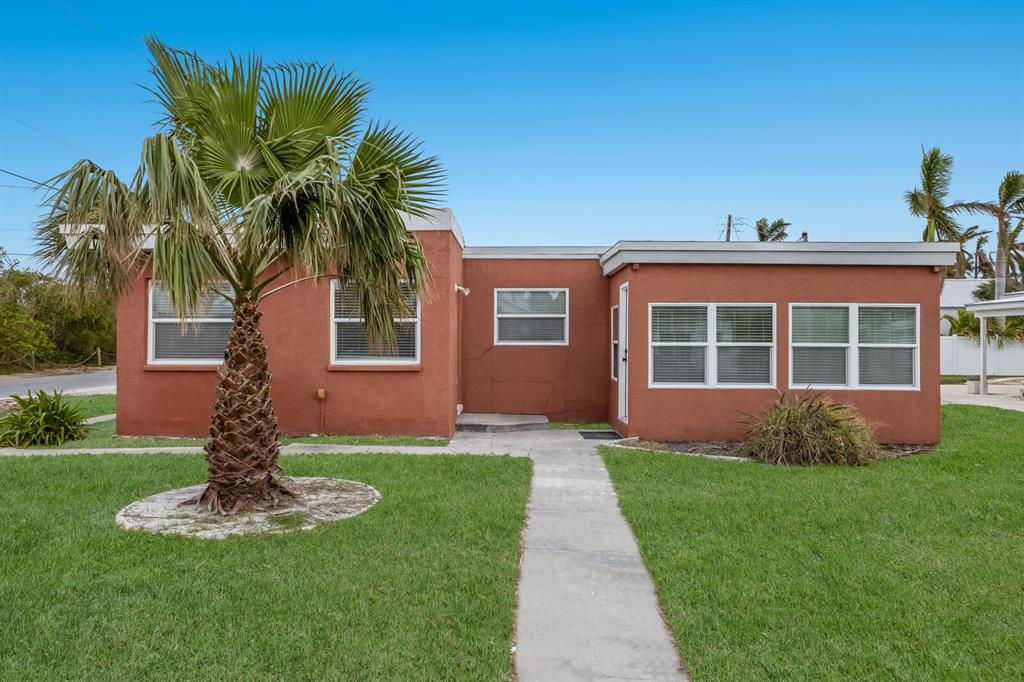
[906, 569]
[103, 435]
[421, 586]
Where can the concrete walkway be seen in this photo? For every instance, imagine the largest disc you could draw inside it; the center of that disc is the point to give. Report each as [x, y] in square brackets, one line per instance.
[1006, 396]
[587, 607]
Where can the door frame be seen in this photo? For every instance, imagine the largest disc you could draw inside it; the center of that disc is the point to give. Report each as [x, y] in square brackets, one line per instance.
[622, 412]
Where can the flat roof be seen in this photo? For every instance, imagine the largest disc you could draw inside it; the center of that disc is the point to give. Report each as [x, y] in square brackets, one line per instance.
[534, 252]
[1010, 304]
[779, 253]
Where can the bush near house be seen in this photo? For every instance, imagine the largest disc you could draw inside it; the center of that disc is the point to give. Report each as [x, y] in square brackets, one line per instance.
[810, 429]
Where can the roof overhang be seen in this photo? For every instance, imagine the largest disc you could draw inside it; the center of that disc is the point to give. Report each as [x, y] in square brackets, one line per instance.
[1011, 304]
[535, 252]
[779, 253]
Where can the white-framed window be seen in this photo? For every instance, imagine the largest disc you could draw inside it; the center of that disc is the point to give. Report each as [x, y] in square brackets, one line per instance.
[854, 346]
[615, 342]
[199, 340]
[349, 342]
[531, 317]
[711, 345]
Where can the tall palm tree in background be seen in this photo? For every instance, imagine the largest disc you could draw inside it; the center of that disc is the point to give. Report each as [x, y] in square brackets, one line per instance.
[1008, 210]
[261, 176]
[929, 200]
[966, 260]
[771, 232]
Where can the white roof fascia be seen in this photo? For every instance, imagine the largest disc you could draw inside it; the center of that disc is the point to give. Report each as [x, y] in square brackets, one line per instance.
[435, 220]
[780, 253]
[535, 252]
[1011, 304]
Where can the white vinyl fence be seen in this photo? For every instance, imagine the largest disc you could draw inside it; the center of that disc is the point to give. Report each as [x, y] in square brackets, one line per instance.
[960, 355]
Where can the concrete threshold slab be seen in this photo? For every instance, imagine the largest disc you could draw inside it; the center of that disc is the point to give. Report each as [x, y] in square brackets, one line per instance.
[500, 423]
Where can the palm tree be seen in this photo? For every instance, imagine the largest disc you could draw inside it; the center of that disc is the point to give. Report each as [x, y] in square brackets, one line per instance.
[929, 201]
[1008, 207]
[771, 232]
[965, 259]
[261, 174]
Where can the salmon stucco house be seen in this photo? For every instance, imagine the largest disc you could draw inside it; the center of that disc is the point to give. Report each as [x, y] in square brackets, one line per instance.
[663, 339]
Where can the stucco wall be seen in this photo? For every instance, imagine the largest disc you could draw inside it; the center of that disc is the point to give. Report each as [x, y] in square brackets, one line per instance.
[417, 400]
[566, 383]
[707, 414]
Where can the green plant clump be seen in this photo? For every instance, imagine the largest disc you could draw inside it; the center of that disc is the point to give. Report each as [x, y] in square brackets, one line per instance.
[42, 419]
[807, 430]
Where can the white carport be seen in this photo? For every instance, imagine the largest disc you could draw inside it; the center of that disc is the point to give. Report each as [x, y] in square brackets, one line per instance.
[1009, 305]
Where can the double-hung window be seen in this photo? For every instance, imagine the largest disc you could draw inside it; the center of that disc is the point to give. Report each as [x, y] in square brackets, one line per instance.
[720, 345]
[531, 317]
[854, 346]
[199, 340]
[349, 342]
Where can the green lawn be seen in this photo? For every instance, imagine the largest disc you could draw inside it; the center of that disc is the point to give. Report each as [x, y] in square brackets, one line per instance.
[94, 405]
[422, 586]
[906, 569]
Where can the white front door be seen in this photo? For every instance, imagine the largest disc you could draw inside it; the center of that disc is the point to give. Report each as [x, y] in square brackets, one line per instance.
[624, 352]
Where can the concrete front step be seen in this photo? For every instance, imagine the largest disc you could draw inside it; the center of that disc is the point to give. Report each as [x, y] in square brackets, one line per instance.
[496, 423]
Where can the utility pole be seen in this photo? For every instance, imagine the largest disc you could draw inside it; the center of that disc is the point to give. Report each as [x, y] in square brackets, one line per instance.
[728, 227]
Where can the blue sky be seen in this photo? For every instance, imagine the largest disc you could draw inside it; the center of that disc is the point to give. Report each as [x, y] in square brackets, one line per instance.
[575, 123]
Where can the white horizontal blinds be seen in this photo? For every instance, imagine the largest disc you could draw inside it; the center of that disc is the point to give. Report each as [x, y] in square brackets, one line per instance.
[745, 336]
[351, 343]
[531, 316]
[679, 344]
[821, 345]
[887, 345]
[615, 342]
[201, 338]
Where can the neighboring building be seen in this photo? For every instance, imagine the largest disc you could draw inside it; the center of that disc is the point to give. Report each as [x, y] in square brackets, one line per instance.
[668, 340]
[956, 295]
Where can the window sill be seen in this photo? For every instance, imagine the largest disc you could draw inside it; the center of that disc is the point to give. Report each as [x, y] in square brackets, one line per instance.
[384, 367]
[181, 368]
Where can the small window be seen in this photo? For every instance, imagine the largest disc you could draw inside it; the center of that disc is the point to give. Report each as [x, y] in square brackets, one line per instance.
[615, 343]
[716, 345]
[197, 340]
[887, 345]
[854, 346]
[350, 344]
[538, 317]
[821, 345]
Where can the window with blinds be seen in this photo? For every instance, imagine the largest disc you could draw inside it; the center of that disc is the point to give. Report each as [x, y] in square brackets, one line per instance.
[854, 346]
[350, 342]
[197, 340]
[712, 345]
[531, 317]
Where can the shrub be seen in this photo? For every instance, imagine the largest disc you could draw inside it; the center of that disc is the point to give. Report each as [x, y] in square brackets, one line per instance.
[42, 419]
[810, 429]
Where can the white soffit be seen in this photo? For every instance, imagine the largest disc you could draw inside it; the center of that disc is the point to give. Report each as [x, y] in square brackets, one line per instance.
[780, 253]
[1011, 304]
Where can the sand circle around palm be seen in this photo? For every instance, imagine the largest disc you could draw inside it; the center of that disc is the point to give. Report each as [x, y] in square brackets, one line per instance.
[317, 500]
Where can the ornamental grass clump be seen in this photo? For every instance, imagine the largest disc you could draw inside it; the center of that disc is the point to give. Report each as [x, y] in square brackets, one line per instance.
[807, 430]
[42, 419]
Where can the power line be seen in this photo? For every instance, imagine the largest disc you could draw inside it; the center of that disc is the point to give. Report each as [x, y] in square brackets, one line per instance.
[22, 177]
[42, 132]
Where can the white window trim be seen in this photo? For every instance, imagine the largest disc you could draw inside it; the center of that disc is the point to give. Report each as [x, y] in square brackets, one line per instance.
[611, 341]
[711, 344]
[565, 317]
[151, 334]
[853, 347]
[374, 360]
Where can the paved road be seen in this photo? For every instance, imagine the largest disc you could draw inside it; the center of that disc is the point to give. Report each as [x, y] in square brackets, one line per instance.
[99, 381]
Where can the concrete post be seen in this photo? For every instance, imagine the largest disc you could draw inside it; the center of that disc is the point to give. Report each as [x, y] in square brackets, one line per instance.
[984, 356]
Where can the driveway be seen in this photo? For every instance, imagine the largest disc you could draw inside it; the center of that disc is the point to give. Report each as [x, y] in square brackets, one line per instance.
[999, 395]
[82, 381]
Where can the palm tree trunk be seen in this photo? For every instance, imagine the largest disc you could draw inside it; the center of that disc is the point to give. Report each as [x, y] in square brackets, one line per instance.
[1002, 249]
[241, 454]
